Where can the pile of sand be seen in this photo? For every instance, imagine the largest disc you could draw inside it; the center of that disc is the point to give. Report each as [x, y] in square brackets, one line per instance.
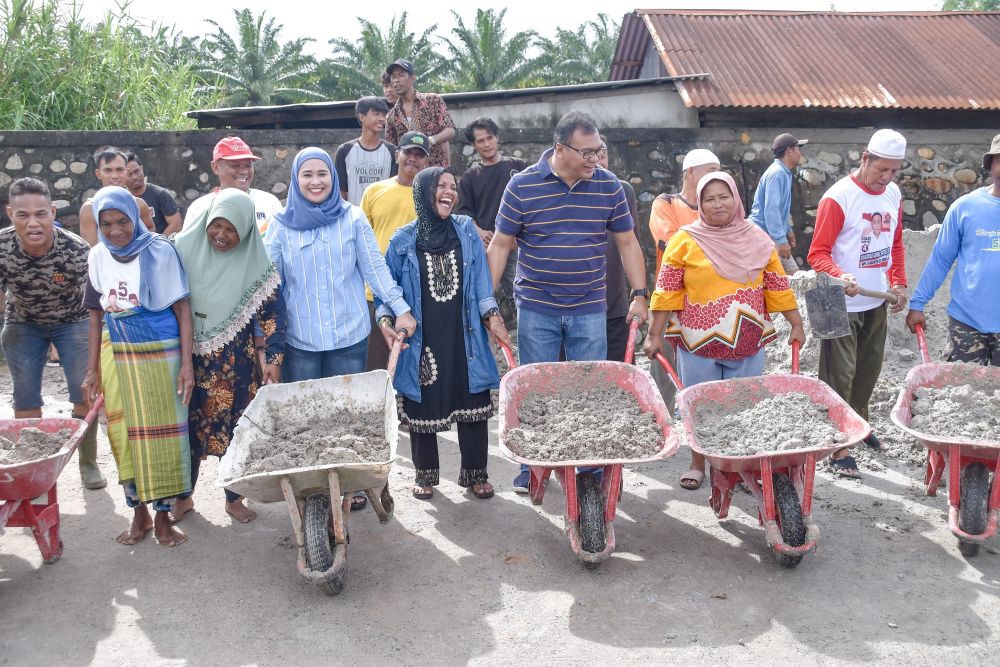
[776, 423]
[967, 411]
[574, 425]
[31, 445]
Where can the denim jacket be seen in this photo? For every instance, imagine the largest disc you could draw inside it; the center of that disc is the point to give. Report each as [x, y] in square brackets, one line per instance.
[477, 299]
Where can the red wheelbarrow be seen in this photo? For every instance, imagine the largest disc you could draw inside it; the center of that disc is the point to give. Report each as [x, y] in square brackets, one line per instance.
[973, 503]
[28, 490]
[590, 509]
[781, 481]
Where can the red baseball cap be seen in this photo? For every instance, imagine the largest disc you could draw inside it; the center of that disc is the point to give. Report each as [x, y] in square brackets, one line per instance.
[232, 148]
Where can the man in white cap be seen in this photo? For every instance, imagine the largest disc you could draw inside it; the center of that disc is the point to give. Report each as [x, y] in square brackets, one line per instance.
[847, 245]
[232, 162]
[669, 213]
[970, 235]
[772, 202]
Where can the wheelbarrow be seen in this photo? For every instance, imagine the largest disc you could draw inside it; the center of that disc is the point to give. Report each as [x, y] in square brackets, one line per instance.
[590, 508]
[313, 493]
[29, 489]
[781, 481]
[972, 502]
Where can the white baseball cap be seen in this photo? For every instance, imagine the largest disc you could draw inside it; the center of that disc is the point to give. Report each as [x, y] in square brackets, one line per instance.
[699, 157]
[888, 144]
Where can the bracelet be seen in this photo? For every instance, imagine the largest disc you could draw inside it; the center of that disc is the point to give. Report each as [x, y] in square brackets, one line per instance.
[491, 312]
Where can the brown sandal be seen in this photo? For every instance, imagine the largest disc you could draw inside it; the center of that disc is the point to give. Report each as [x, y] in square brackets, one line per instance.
[423, 492]
[483, 493]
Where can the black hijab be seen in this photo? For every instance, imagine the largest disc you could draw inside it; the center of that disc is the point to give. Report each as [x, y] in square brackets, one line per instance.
[434, 233]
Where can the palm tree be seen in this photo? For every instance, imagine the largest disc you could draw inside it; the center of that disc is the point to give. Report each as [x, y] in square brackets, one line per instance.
[255, 68]
[356, 67]
[583, 55]
[483, 57]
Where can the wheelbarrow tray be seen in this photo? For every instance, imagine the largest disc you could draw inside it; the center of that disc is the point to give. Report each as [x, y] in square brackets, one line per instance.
[23, 481]
[941, 374]
[553, 377]
[757, 389]
[356, 393]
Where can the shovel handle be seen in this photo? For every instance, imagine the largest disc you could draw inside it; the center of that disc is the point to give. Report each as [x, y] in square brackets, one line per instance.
[397, 347]
[922, 343]
[875, 294]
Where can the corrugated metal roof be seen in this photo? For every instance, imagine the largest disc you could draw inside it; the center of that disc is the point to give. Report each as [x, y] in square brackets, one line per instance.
[925, 60]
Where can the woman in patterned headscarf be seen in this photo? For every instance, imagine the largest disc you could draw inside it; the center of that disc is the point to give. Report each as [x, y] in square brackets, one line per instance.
[445, 375]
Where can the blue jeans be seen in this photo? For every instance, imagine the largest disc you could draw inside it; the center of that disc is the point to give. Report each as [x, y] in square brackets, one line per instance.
[305, 365]
[695, 370]
[539, 337]
[26, 347]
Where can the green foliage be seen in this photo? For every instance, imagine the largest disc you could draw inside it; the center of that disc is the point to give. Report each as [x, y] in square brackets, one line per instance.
[58, 72]
[484, 59]
[583, 55]
[255, 68]
[355, 70]
[971, 5]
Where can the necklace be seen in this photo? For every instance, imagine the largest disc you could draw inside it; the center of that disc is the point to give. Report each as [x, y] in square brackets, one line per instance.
[442, 275]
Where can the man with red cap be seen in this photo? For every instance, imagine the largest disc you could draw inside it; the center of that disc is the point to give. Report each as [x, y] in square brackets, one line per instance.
[232, 162]
[845, 246]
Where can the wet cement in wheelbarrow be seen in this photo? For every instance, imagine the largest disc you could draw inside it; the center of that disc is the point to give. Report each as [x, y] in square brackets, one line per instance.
[31, 445]
[572, 425]
[776, 423]
[307, 432]
[968, 411]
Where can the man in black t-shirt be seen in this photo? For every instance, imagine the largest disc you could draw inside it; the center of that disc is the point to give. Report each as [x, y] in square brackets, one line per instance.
[166, 215]
[479, 195]
[367, 159]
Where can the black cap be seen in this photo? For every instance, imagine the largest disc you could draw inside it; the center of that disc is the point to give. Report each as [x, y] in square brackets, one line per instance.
[405, 64]
[415, 140]
[783, 142]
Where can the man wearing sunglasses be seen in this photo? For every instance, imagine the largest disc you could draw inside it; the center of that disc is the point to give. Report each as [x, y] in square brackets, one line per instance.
[561, 213]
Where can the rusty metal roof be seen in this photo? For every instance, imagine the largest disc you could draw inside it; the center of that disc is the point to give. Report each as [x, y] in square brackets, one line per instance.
[919, 60]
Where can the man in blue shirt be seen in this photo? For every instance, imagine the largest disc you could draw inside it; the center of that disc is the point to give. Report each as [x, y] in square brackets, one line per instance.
[772, 203]
[969, 234]
[561, 213]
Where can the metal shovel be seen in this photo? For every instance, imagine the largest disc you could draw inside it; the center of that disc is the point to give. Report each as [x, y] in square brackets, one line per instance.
[826, 305]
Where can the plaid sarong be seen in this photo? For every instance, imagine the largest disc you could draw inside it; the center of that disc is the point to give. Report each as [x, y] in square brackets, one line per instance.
[156, 454]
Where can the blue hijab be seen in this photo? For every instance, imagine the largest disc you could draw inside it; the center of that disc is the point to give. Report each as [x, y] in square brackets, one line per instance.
[162, 278]
[302, 214]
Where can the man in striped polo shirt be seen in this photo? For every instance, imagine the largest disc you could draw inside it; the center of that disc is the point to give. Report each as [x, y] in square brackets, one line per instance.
[561, 213]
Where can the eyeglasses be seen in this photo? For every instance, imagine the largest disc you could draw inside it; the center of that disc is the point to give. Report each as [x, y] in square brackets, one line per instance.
[589, 154]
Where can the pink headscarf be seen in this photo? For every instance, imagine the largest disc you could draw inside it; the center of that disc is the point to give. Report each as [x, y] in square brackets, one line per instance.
[739, 250]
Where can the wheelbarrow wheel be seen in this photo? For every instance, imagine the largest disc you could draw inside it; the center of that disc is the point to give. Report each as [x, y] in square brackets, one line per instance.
[973, 512]
[319, 556]
[588, 492]
[793, 528]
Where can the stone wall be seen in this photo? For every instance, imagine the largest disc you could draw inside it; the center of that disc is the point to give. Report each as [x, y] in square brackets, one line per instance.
[941, 165]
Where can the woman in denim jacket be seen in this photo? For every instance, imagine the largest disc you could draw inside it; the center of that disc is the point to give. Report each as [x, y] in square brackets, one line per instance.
[446, 372]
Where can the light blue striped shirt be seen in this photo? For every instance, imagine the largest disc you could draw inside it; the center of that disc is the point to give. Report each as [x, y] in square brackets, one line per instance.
[323, 275]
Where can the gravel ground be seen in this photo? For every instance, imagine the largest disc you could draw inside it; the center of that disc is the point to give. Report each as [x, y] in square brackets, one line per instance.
[459, 580]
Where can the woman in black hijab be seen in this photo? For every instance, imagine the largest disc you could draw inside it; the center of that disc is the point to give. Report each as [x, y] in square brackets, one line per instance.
[446, 372]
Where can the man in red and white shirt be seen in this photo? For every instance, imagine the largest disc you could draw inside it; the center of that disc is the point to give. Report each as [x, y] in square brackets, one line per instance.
[858, 238]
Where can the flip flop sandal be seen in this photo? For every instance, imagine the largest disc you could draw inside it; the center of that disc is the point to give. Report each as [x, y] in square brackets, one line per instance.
[482, 494]
[692, 479]
[358, 503]
[846, 466]
[420, 494]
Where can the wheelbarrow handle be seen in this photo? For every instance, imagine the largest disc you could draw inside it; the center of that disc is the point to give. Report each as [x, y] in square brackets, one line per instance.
[633, 333]
[95, 408]
[795, 357]
[670, 371]
[397, 347]
[508, 354]
[925, 354]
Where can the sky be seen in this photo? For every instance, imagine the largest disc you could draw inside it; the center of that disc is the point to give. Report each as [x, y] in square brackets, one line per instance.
[321, 21]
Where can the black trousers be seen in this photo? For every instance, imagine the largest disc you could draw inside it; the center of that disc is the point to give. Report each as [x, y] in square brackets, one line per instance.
[473, 442]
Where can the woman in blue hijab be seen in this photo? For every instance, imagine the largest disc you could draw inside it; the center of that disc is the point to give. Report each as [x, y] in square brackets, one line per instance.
[138, 290]
[324, 250]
